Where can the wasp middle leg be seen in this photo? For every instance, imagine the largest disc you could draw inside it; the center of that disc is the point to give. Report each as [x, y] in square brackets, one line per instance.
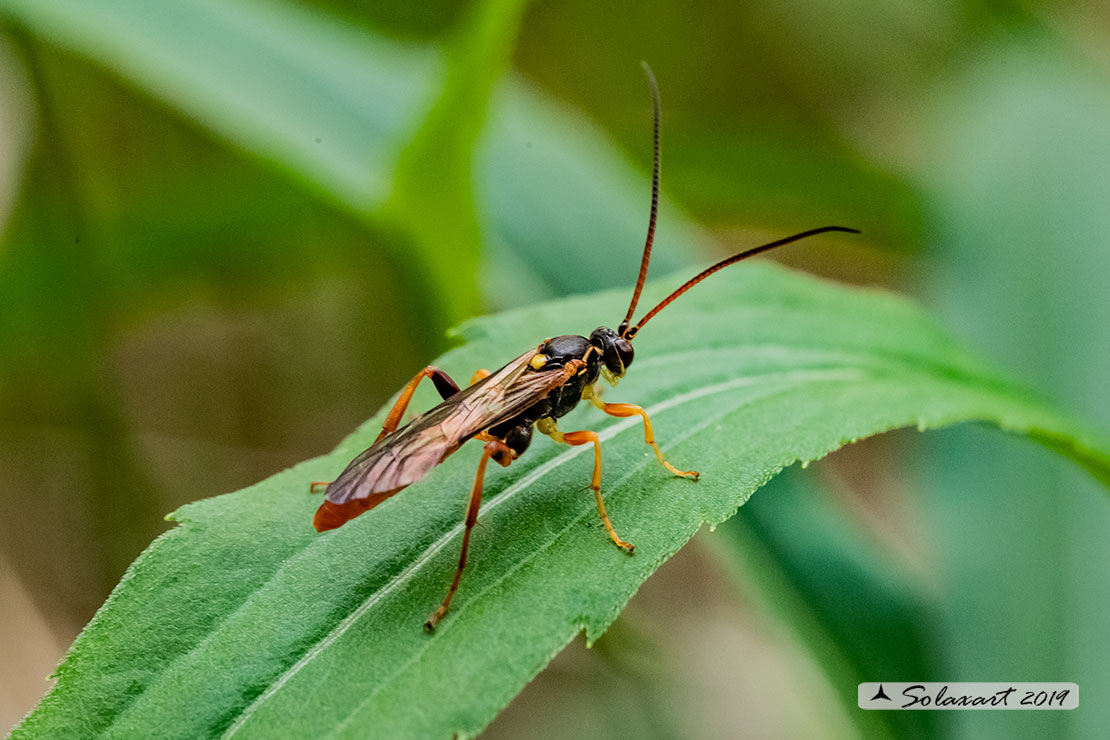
[548, 427]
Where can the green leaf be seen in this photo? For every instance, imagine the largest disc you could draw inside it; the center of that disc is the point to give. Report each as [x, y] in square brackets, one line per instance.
[244, 622]
[1019, 150]
[360, 119]
[326, 101]
[433, 193]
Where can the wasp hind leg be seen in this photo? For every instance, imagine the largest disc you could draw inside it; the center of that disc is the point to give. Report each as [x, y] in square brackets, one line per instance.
[621, 410]
[445, 386]
[547, 426]
[502, 455]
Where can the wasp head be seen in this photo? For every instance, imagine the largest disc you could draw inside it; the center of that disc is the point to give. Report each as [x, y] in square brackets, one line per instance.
[616, 351]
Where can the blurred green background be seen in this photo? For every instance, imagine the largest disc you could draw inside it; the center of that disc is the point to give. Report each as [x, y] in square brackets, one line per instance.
[229, 230]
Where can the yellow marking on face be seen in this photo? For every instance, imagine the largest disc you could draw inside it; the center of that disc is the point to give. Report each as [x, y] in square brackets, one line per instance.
[537, 361]
[610, 377]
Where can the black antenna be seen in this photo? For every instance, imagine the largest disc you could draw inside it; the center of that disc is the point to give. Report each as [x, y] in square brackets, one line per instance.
[630, 333]
[657, 116]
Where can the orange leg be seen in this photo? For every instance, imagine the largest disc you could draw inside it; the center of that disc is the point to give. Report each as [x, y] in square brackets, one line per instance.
[547, 426]
[478, 375]
[502, 455]
[631, 409]
[443, 384]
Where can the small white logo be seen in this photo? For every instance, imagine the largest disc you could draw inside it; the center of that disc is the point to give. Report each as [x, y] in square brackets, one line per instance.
[967, 695]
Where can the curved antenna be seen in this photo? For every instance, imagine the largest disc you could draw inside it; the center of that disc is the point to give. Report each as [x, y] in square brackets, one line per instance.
[630, 333]
[657, 111]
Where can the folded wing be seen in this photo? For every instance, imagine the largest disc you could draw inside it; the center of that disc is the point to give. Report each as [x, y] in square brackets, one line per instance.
[405, 456]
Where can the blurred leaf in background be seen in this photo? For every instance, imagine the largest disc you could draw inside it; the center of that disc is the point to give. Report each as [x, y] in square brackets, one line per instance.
[203, 257]
[1019, 183]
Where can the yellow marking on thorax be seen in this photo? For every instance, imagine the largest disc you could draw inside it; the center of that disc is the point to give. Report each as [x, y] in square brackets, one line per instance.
[537, 361]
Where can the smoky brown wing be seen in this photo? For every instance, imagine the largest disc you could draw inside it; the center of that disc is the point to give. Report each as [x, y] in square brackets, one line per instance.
[405, 456]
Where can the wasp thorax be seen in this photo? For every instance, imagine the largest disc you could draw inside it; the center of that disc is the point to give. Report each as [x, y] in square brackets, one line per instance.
[616, 351]
[561, 350]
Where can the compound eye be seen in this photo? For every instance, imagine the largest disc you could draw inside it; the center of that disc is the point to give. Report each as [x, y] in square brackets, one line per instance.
[624, 351]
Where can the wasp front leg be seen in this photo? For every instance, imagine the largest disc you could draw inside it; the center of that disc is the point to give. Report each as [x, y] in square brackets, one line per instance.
[622, 410]
[548, 427]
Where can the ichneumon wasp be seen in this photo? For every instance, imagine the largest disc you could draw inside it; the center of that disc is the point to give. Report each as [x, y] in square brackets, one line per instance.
[503, 408]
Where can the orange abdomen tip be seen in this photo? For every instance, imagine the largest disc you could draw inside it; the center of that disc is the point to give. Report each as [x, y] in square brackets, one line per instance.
[332, 516]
